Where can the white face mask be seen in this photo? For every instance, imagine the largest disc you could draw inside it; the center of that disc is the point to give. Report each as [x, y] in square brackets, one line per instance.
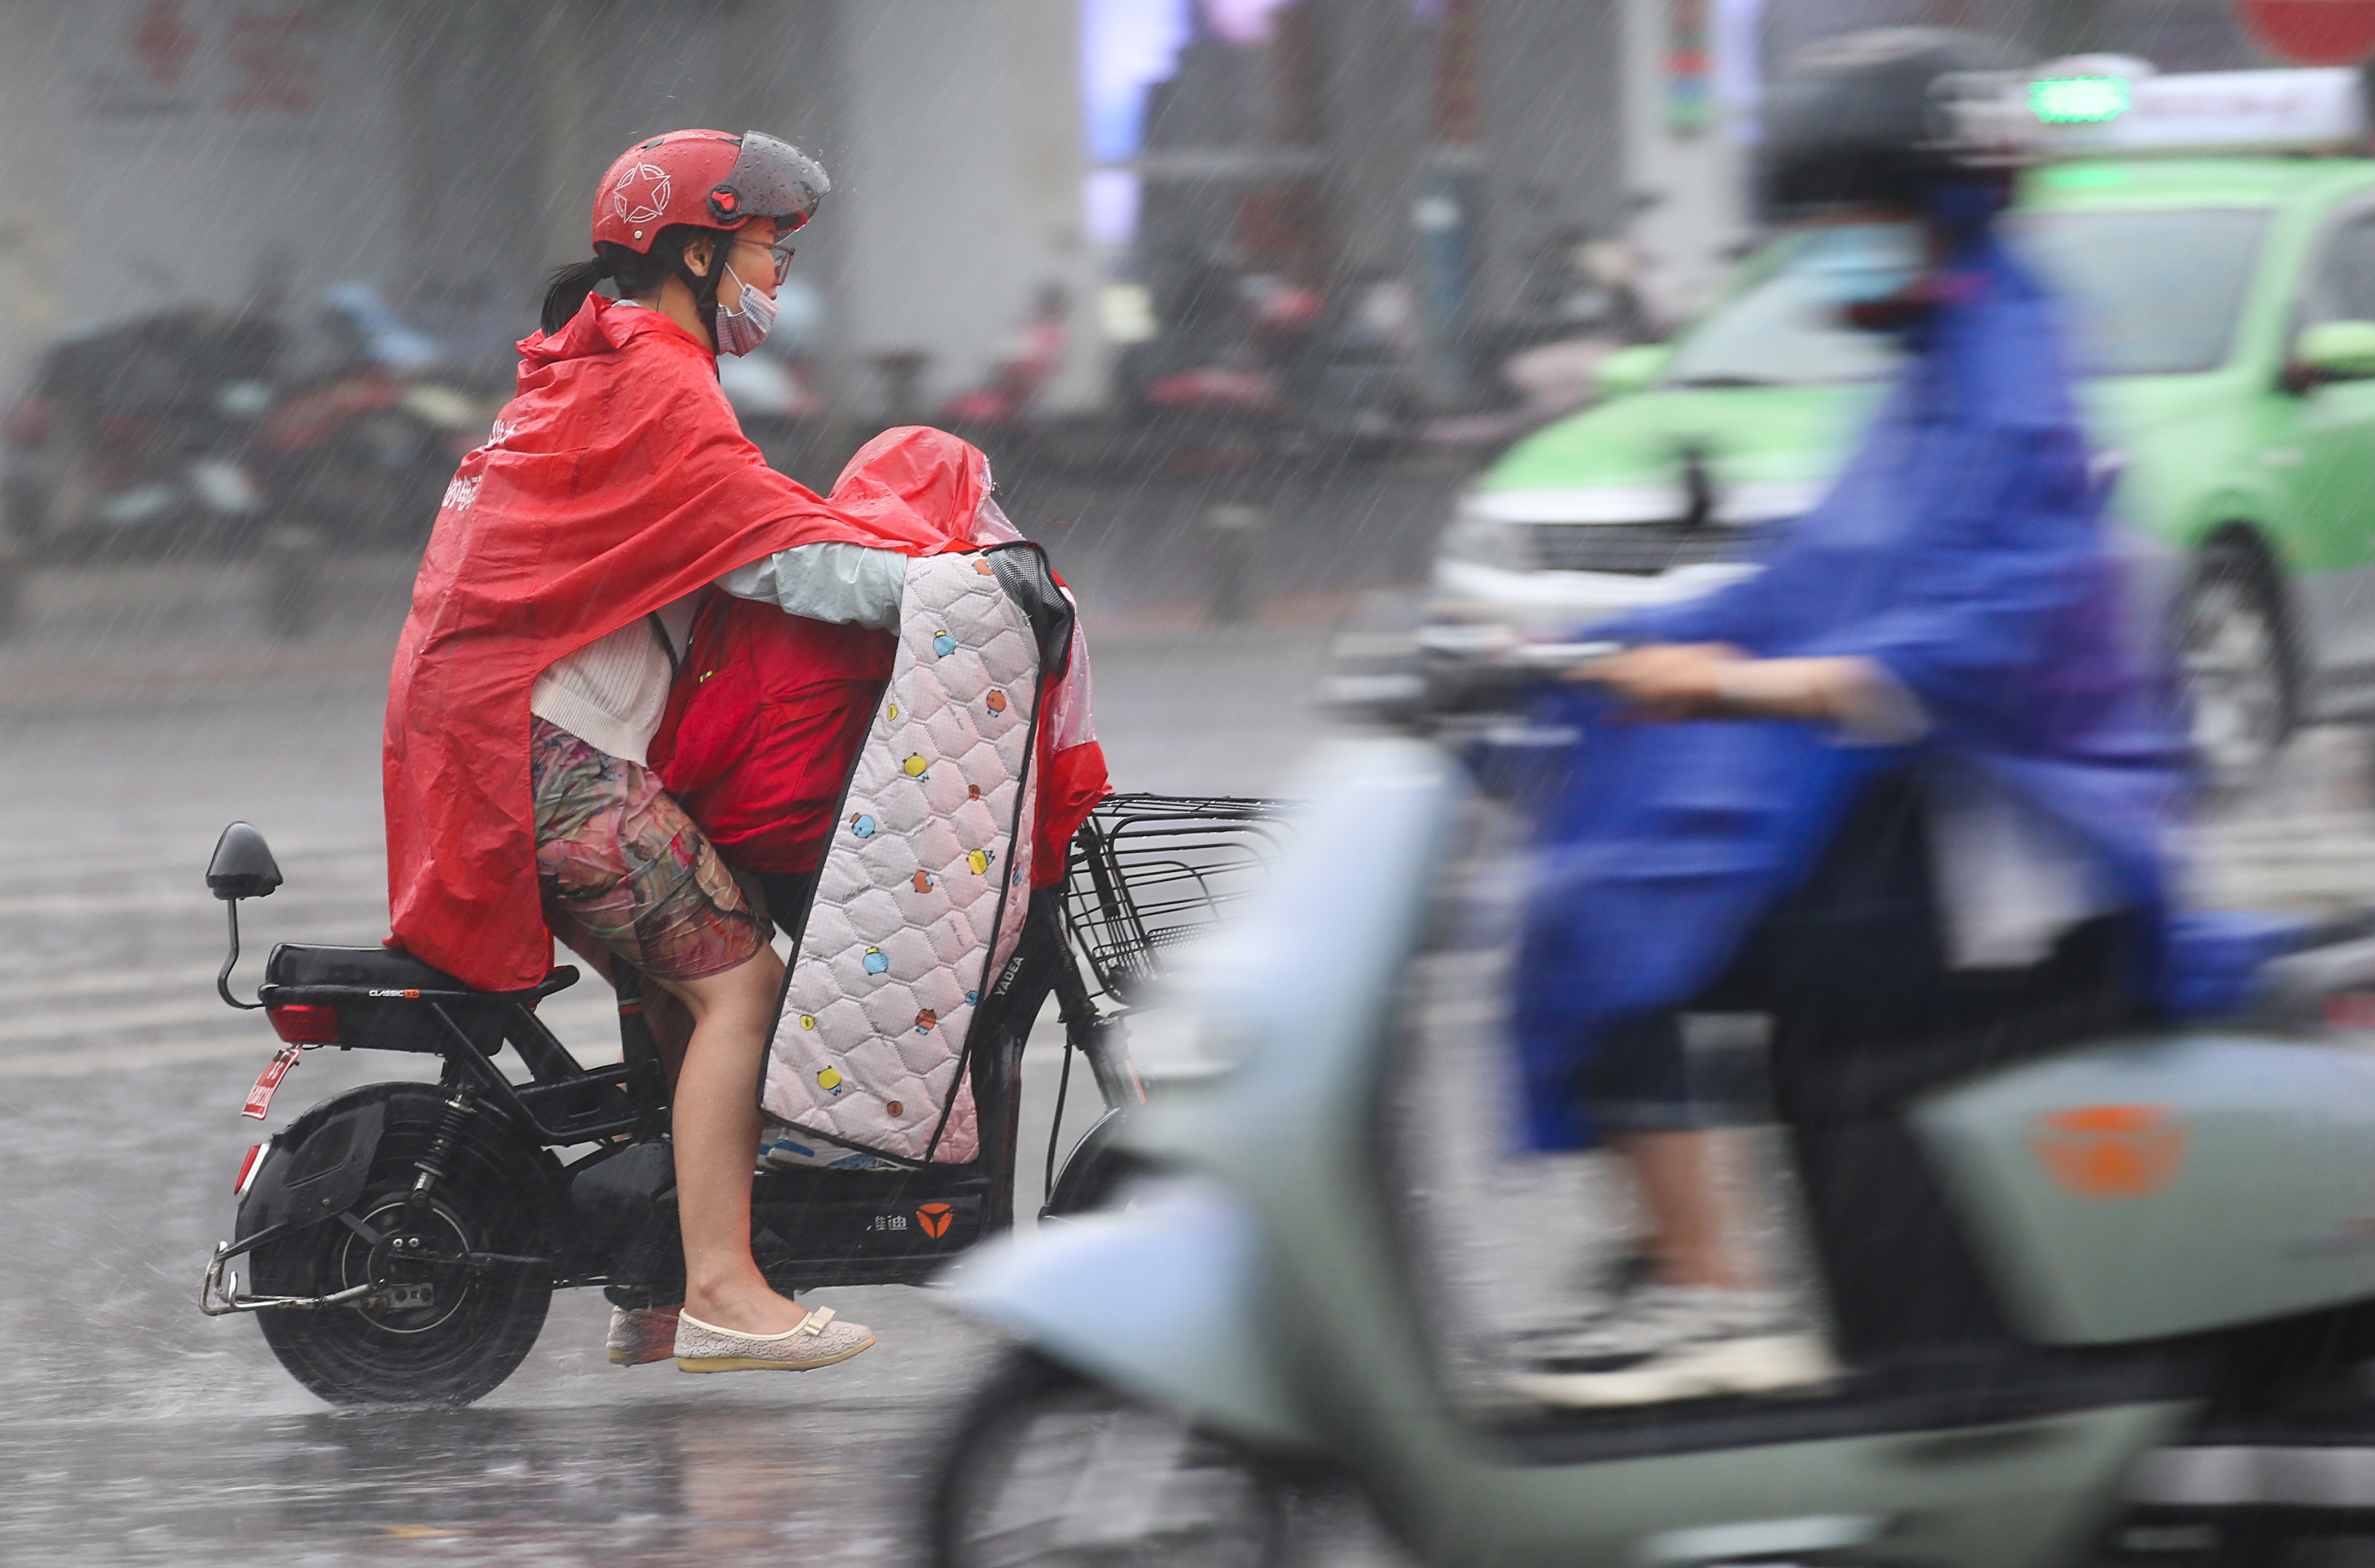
[1855, 263]
[740, 330]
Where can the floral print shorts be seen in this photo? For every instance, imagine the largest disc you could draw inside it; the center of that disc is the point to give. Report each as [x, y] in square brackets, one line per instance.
[624, 872]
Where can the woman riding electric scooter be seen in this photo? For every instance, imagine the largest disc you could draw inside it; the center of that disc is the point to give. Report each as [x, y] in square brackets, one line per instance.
[551, 607]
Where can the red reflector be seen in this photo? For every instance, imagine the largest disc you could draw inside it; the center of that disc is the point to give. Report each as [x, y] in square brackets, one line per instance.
[305, 1023]
[247, 1169]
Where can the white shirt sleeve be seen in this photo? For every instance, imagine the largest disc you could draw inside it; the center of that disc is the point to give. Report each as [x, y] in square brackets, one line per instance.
[2010, 880]
[1878, 711]
[853, 584]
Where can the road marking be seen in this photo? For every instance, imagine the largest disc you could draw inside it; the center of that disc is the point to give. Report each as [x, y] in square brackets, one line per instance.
[118, 857]
[180, 900]
[87, 1022]
[99, 1059]
[114, 981]
[590, 1011]
[201, 1006]
[122, 1058]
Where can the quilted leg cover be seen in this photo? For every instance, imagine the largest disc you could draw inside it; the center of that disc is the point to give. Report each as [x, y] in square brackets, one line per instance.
[923, 890]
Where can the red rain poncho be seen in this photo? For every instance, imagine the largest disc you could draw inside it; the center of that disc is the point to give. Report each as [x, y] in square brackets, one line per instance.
[617, 481]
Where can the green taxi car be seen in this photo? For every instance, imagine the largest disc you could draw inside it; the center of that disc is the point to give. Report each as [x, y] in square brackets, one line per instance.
[2223, 311]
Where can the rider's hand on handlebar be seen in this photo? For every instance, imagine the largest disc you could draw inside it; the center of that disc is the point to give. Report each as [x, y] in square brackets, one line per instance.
[1667, 681]
[1706, 681]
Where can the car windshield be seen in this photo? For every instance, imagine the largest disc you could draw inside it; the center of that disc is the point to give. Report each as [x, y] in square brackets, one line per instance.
[2148, 292]
[1777, 332]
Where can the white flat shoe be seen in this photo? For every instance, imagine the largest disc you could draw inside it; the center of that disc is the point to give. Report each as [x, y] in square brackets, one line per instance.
[818, 1340]
[639, 1336]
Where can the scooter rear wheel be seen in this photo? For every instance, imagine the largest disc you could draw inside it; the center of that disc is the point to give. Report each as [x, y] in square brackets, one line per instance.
[475, 1328]
[1048, 1468]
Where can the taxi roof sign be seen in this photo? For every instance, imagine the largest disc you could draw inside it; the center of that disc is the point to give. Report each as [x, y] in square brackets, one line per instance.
[2297, 111]
[2078, 100]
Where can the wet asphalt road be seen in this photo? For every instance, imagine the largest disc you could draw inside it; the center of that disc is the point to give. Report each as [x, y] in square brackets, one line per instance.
[137, 716]
[138, 713]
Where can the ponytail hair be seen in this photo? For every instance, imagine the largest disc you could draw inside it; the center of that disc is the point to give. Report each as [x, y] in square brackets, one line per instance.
[565, 291]
[636, 273]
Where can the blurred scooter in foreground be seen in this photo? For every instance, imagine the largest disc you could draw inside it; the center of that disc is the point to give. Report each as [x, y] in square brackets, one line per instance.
[2138, 1259]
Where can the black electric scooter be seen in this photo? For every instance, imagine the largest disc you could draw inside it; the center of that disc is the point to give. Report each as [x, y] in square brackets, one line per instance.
[402, 1241]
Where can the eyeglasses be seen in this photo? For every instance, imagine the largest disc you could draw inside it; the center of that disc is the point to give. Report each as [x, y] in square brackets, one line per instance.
[781, 251]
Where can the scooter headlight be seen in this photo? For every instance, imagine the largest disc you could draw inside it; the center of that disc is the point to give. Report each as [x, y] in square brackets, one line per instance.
[1487, 540]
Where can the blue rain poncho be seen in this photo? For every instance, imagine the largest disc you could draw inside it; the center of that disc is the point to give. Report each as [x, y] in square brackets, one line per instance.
[1962, 551]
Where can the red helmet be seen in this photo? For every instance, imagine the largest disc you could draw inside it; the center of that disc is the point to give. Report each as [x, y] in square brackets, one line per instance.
[706, 178]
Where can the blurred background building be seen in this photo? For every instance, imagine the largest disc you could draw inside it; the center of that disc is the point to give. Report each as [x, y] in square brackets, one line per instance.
[1440, 175]
[1482, 154]
[254, 151]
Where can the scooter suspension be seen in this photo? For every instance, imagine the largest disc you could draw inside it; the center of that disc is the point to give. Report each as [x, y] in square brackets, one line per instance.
[459, 1108]
[404, 1242]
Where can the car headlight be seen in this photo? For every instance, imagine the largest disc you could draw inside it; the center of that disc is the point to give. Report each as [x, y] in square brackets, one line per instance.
[1489, 541]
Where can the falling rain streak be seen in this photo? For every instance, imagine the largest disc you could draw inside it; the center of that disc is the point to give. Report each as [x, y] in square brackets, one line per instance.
[1292, 329]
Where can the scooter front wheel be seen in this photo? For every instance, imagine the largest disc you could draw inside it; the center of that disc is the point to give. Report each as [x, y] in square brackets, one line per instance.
[1050, 1467]
[1093, 1173]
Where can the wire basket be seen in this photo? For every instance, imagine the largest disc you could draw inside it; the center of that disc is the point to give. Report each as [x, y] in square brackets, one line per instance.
[1150, 872]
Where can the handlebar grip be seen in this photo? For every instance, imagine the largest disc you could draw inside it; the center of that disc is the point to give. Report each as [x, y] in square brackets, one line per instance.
[1459, 669]
[1560, 657]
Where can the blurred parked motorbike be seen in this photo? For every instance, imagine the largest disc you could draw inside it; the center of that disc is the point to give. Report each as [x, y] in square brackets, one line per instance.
[1255, 368]
[1578, 305]
[363, 445]
[138, 437]
[1006, 395]
[195, 429]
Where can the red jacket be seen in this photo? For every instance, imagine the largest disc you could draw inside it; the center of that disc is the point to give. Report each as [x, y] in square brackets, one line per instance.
[765, 724]
[1073, 779]
[770, 710]
[616, 481]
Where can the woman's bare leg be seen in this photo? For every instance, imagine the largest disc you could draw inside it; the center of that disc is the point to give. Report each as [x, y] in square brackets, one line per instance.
[717, 1129]
[670, 1022]
[1688, 1244]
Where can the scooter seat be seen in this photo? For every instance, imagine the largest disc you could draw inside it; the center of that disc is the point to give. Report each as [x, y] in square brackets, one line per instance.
[390, 1019]
[381, 969]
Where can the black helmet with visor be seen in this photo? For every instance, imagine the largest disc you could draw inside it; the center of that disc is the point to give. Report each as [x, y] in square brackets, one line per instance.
[1874, 117]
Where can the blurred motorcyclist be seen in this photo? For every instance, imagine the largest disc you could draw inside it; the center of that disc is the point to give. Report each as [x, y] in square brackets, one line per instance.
[1905, 781]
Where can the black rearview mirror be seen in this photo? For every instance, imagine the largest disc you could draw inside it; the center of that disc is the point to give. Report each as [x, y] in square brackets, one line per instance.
[242, 867]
